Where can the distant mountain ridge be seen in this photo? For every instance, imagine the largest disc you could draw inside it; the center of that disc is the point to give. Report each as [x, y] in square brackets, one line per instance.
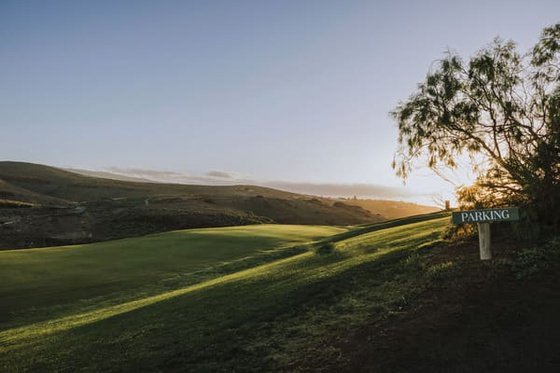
[108, 175]
[44, 206]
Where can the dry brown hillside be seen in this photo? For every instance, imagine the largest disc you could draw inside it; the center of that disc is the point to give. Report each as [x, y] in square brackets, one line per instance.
[391, 209]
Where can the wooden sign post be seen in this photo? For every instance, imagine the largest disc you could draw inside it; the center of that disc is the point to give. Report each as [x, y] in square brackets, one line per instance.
[484, 241]
[483, 218]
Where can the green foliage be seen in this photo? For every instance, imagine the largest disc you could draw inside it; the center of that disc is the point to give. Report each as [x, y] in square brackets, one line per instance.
[502, 109]
[531, 261]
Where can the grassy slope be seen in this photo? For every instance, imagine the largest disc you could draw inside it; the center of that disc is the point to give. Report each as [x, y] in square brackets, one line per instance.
[72, 208]
[65, 274]
[270, 315]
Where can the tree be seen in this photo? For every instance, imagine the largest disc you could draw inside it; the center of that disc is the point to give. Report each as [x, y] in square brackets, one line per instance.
[502, 111]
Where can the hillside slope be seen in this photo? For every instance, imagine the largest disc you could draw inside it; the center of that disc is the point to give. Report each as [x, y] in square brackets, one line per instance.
[70, 208]
[391, 297]
[68, 274]
[258, 314]
[499, 316]
[391, 209]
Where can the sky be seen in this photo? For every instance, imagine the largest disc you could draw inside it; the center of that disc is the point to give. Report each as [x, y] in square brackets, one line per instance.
[270, 92]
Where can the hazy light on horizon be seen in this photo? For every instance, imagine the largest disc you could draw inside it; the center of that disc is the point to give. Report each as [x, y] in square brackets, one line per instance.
[295, 91]
[221, 178]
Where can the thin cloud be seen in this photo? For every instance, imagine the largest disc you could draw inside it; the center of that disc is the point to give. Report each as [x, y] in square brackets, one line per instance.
[147, 173]
[215, 177]
[210, 178]
[221, 174]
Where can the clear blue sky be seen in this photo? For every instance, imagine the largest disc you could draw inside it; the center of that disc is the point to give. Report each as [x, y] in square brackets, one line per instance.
[272, 90]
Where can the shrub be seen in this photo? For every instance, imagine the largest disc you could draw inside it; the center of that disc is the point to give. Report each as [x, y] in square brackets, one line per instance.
[325, 249]
[530, 261]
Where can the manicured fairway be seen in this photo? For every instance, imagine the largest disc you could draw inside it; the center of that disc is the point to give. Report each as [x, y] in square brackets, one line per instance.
[265, 316]
[59, 275]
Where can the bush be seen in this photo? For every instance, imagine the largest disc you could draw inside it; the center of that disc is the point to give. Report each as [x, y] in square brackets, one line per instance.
[325, 249]
[531, 261]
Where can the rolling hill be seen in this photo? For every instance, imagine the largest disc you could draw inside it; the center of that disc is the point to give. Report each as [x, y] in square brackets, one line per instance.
[45, 206]
[215, 299]
[390, 209]
[386, 297]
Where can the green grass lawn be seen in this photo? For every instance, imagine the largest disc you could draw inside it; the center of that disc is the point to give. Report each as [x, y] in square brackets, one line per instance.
[62, 275]
[241, 298]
